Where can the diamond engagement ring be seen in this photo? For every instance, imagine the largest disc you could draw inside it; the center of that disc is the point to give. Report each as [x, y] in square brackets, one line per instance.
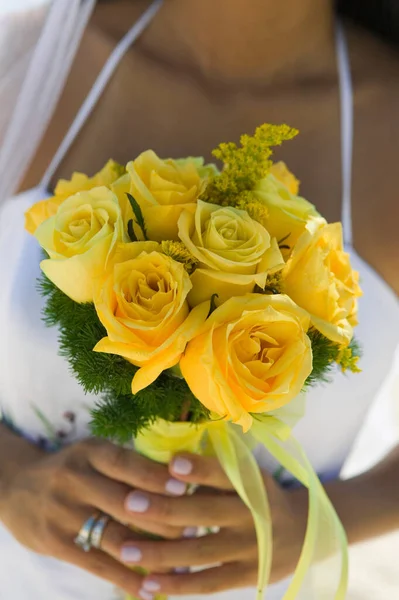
[83, 539]
[98, 531]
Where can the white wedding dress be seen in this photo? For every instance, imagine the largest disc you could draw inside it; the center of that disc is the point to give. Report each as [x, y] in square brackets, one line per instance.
[41, 400]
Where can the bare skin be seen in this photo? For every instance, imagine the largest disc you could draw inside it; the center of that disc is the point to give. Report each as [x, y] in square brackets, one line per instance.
[94, 476]
[69, 486]
[187, 84]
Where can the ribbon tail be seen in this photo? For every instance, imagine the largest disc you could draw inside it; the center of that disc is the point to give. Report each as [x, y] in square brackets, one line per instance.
[243, 471]
[325, 537]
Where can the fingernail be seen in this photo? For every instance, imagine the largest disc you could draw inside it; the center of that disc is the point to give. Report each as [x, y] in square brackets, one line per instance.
[151, 586]
[146, 595]
[137, 502]
[182, 466]
[175, 487]
[181, 570]
[130, 554]
[190, 532]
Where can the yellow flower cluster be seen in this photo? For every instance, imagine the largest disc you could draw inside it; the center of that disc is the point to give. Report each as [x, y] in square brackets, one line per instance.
[151, 244]
[179, 252]
[246, 165]
[347, 361]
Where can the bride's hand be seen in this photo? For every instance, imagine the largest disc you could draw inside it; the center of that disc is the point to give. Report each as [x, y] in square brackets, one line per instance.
[232, 552]
[47, 498]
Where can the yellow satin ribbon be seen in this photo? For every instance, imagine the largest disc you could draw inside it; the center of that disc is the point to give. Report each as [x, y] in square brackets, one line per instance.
[325, 537]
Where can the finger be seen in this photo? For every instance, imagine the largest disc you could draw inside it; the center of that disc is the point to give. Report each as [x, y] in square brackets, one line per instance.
[207, 550]
[100, 564]
[121, 543]
[129, 522]
[198, 510]
[110, 497]
[133, 469]
[208, 581]
[203, 470]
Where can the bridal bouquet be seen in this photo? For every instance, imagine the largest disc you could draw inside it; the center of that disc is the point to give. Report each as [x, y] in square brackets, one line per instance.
[198, 304]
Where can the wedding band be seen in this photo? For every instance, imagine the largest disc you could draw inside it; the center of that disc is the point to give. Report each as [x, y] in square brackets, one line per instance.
[83, 539]
[98, 531]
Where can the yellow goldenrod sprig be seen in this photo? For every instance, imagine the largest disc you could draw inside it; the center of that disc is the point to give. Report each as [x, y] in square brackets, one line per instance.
[244, 166]
[274, 285]
[118, 169]
[179, 252]
[348, 360]
[256, 209]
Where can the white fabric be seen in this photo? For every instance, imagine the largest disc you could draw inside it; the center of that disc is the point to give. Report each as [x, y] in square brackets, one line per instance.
[36, 386]
[19, 33]
[48, 69]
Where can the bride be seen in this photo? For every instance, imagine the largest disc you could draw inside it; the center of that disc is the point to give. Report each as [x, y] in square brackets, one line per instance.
[183, 75]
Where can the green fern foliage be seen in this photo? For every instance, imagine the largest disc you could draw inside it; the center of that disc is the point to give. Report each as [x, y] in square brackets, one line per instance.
[118, 414]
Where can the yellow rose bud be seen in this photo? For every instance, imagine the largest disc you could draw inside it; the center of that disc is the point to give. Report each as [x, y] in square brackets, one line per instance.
[163, 189]
[40, 211]
[287, 214]
[79, 182]
[143, 306]
[79, 239]
[319, 278]
[284, 176]
[234, 252]
[251, 356]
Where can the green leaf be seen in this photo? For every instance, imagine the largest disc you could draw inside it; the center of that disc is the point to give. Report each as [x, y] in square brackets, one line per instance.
[213, 304]
[138, 214]
[284, 239]
[51, 432]
[130, 231]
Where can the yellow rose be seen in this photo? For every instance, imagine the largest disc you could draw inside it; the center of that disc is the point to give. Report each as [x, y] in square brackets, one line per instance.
[284, 176]
[79, 182]
[235, 253]
[319, 278]
[163, 189]
[287, 213]
[251, 356]
[143, 306]
[79, 239]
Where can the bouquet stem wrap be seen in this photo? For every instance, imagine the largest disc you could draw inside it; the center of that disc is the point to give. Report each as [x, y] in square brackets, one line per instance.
[325, 540]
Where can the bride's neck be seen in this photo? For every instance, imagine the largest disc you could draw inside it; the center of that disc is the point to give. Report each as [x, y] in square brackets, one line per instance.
[245, 40]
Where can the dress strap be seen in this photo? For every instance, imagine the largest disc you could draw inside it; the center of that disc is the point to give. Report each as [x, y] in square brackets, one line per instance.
[347, 126]
[98, 88]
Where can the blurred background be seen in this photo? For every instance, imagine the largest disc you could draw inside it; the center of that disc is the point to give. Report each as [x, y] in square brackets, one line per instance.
[374, 565]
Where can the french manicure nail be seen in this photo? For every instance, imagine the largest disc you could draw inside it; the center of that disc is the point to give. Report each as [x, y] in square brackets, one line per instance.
[151, 586]
[146, 595]
[137, 502]
[175, 487]
[182, 466]
[130, 554]
[190, 532]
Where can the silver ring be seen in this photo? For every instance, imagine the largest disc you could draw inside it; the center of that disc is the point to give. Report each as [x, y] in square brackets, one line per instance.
[83, 539]
[98, 531]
